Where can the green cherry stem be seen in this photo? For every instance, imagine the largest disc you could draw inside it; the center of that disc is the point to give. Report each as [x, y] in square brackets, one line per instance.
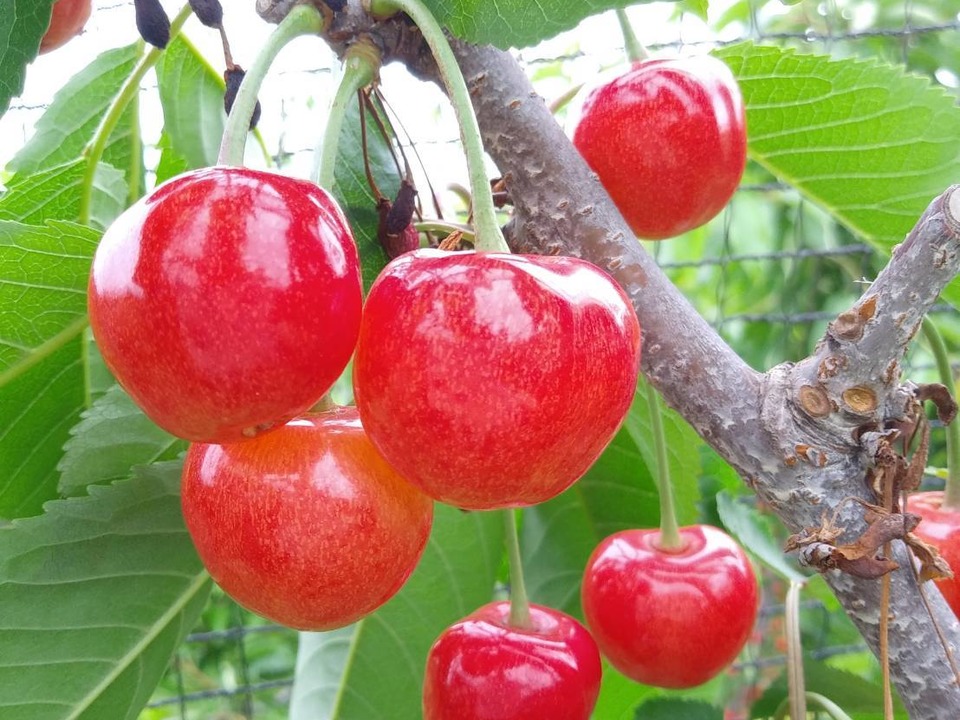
[635, 49]
[445, 227]
[361, 63]
[951, 492]
[824, 703]
[489, 237]
[669, 529]
[302, 20]
[519, 604]
[796, 684]
[94, 150]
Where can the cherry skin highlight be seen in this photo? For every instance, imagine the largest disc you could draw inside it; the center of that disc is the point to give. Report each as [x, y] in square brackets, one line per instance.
[673, 619]
[66, 21]
[667, 141]
[482, 668]
[306, 525]
[492, 380]
[227, 301]
[941, 528]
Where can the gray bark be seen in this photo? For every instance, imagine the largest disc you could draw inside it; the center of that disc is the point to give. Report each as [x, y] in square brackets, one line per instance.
[802, 463]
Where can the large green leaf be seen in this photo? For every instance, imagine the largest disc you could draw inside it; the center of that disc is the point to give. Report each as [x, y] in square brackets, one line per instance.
[191, 93]
[113, 436]
[373, 670]
[752, 530]
[22, 24]
[95, 596]
[868, 142]
[75, 113]
[43, 302]
[353, 191]
[516, 23]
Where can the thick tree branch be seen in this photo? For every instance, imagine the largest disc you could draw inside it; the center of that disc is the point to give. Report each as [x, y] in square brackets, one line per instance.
[801, 435]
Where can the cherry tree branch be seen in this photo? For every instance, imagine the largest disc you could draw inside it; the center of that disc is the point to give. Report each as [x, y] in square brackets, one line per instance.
[793, 433]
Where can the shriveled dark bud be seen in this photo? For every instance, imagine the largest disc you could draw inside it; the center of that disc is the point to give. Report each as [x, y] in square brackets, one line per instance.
[233, 77]
[209, 12]
[401, 212]
[152, 22]
[335, 5]
[395, 231]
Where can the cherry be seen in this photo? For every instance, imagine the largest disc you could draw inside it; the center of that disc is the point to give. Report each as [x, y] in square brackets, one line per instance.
[482, 668]
[494, 380]
[227, 301]
[668, 141]
[66, 21]
[668, 618]
[307, 525]
[941, 528]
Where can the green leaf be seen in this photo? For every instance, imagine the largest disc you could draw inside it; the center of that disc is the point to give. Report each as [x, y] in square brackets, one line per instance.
[22, 25]
[516, 23]
[373, 670]
[113, 436]
[752, 530]
[95, 596]
[55, 194]
[75, 113]
[677, 709]
[868, 142]
[171, 162]
[353, 192]
[37, 409]
[619, 696]
[191, 93]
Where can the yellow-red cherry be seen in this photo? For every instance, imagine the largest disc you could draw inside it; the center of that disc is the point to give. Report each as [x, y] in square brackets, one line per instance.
[673, 618]
[483, 668]
[940, 526]
[306, 525]
[227, 301]
[668, 142]
[66, 21]
[492, 380]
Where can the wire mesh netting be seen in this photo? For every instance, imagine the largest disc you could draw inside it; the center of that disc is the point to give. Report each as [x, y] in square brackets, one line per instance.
[769, 274]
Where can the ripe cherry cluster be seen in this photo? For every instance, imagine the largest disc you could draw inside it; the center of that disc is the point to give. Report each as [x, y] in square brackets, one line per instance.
[228, 301]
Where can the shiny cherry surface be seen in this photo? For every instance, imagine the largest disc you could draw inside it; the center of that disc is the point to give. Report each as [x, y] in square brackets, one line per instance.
[66, 21]
[668, 141]
[492, 380]
[941, 528]
[227, 301]
[670, 619]
[306, 525]
[481, 668]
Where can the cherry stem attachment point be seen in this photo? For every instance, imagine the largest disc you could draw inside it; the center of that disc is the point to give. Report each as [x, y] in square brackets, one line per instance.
[302, 20]
[669, 529]
[635, 49]
[489, 236]
[951, 492]
[519, 604]
[361, 63]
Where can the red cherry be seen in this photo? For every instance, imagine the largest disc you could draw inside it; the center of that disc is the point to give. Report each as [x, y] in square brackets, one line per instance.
[493, 380]
[307, 525]
[227, 301]
[941, 528]
[673, 619]
[482, 668]
[668, 142]
[66, 21]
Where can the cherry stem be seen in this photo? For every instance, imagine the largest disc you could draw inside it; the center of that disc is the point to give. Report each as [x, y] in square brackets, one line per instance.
[443, 226]
[130, 89]
[825, 704]
[635, 49]
[951, 491]
[302, 20]
[669, 529]
[489, 235]
[796, 685]
[519, 604]
[361, 63]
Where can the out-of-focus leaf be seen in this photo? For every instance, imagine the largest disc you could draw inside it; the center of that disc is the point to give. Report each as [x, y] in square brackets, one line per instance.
[191, 93]
[750, 528]
[113, 436]
[95, 596]
[677, 709]
[373, 670]
[22, 25]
